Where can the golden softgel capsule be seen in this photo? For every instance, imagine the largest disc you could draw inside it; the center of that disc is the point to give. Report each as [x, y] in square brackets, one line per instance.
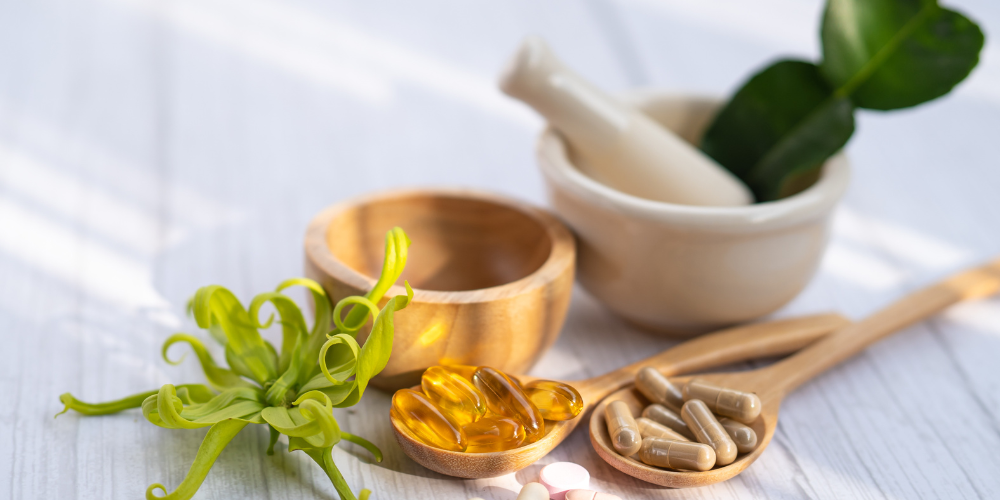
[464, 371]
[737, 405]
[426, 421]
[667, 417]
[554, 400]
[506, 398]
[744, 437]
[494, 434]
[624, 432]
[709, 431]
[658, 389]
[650, 428]
[671, 454]
[453, 394]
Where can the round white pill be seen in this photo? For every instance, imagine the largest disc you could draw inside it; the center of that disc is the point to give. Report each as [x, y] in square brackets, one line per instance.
[533, 491]
[561, 477]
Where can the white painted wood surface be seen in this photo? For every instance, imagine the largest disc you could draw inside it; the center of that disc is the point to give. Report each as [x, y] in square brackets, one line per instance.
[151, 147]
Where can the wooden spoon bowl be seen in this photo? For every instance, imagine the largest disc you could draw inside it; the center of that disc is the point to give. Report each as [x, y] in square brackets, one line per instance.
[716, 349]
[773, 383]
[764, 427]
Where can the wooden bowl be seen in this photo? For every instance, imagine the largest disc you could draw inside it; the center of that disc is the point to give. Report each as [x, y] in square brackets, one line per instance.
[491, 276]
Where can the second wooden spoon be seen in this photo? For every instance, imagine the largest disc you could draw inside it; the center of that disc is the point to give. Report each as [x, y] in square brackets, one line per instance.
[774, 382]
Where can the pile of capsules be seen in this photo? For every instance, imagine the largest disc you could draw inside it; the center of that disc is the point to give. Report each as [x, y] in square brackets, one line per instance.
[680, 429]
[481, 409]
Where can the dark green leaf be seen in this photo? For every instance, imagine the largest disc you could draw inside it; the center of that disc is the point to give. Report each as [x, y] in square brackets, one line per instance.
[780, 125]
[889, 54]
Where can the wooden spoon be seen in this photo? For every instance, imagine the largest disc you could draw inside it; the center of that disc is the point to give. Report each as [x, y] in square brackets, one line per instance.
[774, 382]
[708, 351]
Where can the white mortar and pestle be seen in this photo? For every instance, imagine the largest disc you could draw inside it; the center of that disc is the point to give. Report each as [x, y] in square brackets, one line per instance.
[667, 239]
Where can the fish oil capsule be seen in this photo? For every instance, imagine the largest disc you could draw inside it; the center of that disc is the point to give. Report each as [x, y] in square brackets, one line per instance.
[506, 398]
[622, 428]
[744, 437]
[426, 421]
[464, 371]
[708, 430]
[453, 394]
[671, 454]
[659, 389]
[650, 428]
[737, 405]
[554, 400]
[668, 418]
[493, 434]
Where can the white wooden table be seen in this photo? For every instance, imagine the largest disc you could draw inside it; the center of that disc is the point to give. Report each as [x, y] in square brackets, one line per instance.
[151, 147]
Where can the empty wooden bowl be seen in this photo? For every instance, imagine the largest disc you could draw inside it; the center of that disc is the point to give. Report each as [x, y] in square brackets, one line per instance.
[491, 276]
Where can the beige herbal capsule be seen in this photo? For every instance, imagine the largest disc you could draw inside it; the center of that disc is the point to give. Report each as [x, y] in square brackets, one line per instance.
[659, 389]
[671, 454]
[622, 428]
[651, 428]
[737, 405]
[744, 437]
[708, 430]
[668, 418]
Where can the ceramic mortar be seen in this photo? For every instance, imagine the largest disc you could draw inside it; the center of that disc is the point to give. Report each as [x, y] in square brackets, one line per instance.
[684, 270]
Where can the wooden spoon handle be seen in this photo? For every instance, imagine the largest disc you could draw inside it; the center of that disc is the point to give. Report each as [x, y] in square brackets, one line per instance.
[727, 346]
[785, 376]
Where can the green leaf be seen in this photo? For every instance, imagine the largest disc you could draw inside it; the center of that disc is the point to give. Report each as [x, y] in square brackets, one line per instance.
[166, 409]
[890, 54]
[364, 443]
[345, 350]
[324, 458]
[375, 352]
[245, 349]
[219, 378]
[293, 325]
[396, 251]
[215, 441]
[301, 422]
[781, 125]
[336, 392]
[194, 393]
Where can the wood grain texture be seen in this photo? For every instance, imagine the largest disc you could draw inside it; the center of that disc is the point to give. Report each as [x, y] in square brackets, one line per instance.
[491, 276]
[773, 383]
[148, 148]
[720, 348]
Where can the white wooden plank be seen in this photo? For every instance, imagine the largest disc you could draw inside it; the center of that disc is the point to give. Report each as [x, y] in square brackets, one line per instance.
[183, 144]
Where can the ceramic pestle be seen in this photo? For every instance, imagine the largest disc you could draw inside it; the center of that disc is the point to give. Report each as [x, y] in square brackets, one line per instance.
[615, 144]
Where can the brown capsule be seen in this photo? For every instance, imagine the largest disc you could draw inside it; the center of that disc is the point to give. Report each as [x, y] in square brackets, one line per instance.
[622, 428]
[738, 405]
[668, 418]
[651, 428]
[708, 430]
[659, 389]
[671, 454]
[744, 437]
